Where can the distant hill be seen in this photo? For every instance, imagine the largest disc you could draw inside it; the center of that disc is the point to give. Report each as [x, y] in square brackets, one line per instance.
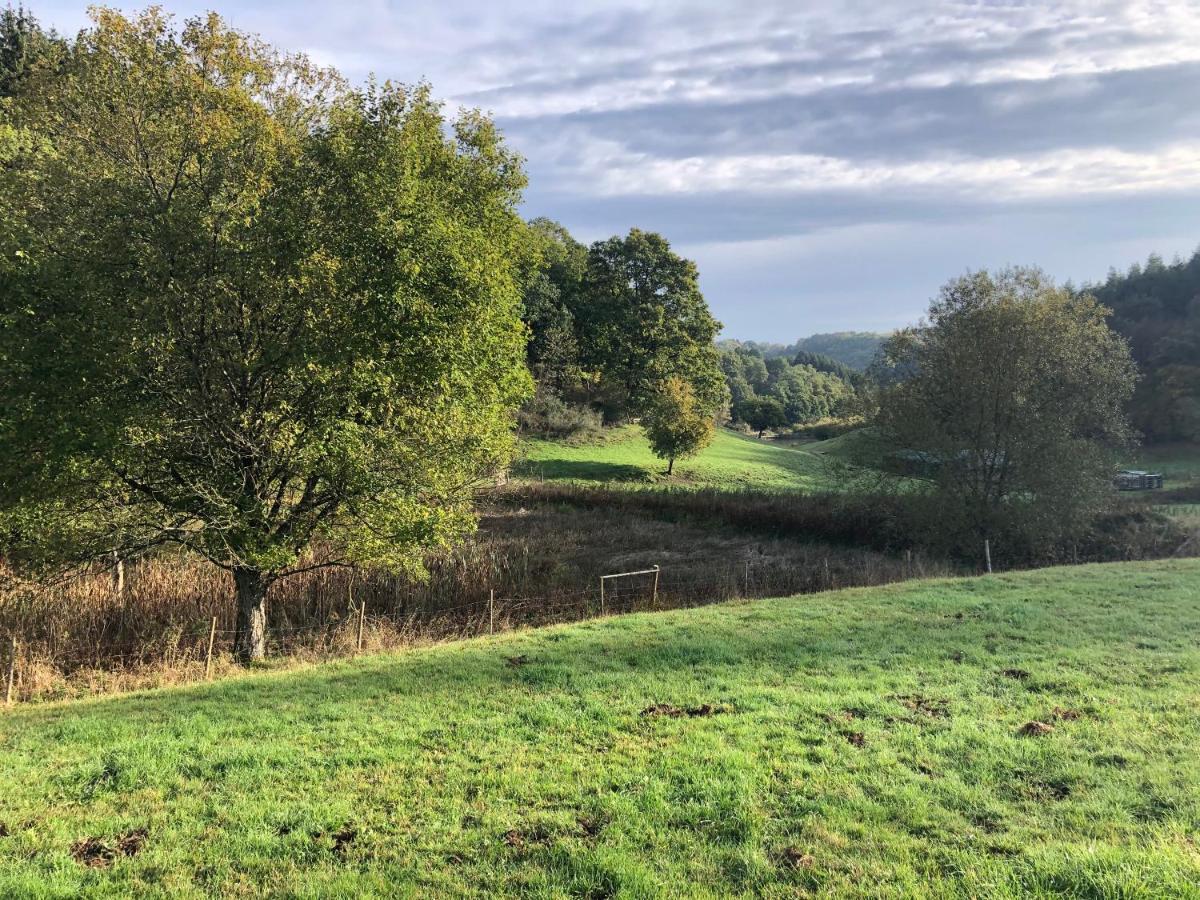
[853, 349]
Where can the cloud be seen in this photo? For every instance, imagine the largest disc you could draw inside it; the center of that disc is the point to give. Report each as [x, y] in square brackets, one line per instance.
[822, 136]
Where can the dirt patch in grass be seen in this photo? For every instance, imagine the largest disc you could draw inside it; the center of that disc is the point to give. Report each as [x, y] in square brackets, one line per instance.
[1035, 729]
[1016, 674]
[591, 826]
[515, 662]
[675, 712]
[1065, 715]
[856, 739]
[344, 838]
[96, 854]
[795, 858]
[519, 838]
[933, 707]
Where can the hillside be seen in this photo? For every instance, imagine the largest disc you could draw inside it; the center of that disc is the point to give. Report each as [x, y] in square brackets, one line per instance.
[731, 462]
[817, 744]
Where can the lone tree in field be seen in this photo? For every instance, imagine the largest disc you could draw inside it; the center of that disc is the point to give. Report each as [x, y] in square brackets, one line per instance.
[761, 413]
[677, 424]
[1013, 394]
[248, 312]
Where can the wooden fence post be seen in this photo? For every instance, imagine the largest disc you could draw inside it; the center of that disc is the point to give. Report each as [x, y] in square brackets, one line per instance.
[212, 636]
[601, 595]
[987, 554]
[362, 616]
[118, 574]
[492, 611]
[654, 596]
[12, 672]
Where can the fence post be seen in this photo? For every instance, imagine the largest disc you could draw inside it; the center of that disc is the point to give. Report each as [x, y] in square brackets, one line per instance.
[746, 580]
[492, 611]
[118, 574]
[212, 636]
[987, 554]
[12, 671]
[654, 596]
[601, 595]
[362, 616]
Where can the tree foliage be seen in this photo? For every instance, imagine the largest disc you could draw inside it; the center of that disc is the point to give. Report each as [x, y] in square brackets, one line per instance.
[677, 423]
[1157, 308]
[249, 312]
[643, 320]
[761, 413]
[551, 293]
[803, 392]
[1013, 406]
[25, 48]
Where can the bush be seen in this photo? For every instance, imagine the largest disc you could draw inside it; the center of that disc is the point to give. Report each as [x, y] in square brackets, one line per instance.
[825, 429]
[548, 415]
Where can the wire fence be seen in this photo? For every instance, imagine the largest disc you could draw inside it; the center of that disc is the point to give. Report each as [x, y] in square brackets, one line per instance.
[208, 645]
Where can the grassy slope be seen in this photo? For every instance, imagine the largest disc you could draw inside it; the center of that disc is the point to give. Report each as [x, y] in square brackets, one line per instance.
[732, 461]
[1179, 463]
[460, 774]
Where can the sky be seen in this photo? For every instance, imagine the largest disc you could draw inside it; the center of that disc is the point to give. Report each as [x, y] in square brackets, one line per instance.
[828, 164]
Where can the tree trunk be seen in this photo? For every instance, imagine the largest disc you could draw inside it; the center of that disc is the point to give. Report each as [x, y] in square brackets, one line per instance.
[670, 466]
[760, 433]
[250, 639]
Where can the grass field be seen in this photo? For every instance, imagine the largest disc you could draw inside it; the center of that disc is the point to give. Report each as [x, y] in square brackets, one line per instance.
[731, 462]
[1179, 463]
[874, 740]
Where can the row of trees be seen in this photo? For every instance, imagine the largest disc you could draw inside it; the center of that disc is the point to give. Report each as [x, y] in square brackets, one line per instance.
[622, 327]
[776, 391]
[1156, 306]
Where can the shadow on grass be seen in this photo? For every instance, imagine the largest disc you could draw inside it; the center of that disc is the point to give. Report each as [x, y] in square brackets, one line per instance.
[566, 470]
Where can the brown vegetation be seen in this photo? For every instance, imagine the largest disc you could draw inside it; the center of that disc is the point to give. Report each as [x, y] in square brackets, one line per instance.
[540, 548]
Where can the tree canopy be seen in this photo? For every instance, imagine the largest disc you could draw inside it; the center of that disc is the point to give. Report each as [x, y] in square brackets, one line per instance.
[1156, 306]
[643, 320]
[803, 392]
[248, 311]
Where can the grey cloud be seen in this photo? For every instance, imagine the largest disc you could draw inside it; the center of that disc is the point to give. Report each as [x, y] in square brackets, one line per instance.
[1129, 110]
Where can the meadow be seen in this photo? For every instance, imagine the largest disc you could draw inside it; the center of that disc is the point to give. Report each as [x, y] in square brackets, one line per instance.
[1013, 735]
[732, 462]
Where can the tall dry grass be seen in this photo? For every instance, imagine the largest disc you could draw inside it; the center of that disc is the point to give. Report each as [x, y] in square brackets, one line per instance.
[540, 549]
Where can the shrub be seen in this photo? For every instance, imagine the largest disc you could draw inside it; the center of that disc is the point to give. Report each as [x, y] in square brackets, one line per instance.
[548, 415]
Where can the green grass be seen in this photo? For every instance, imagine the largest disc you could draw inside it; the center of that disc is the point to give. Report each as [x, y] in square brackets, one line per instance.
[731, 462]
[1179, 463]
[449, 771]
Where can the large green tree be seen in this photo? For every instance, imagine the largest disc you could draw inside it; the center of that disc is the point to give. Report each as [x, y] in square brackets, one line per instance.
[249, 312]
[1012, 394]
[642, 319]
